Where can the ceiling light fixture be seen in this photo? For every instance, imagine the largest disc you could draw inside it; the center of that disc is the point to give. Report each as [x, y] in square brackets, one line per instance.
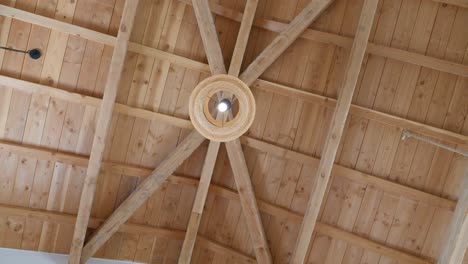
[224, 105]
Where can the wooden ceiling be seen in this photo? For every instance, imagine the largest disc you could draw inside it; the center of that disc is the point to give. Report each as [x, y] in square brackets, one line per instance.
[395, 65]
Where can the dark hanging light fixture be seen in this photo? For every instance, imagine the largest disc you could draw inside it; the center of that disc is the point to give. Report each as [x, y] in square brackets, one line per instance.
[33, 53]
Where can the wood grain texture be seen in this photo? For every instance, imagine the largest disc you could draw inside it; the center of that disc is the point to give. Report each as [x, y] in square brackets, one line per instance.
[142, 193]
[457, 237]
[336, 130]
[248, 201]
[290, 33]
[100, 136]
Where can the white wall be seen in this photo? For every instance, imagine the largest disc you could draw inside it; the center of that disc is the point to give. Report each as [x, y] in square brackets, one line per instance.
[13, 256]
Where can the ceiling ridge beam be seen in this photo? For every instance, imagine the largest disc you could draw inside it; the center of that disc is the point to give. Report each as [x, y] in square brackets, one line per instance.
[100, 134]
[421, 128]
[132, 228]
[337, 125]
[137, 171]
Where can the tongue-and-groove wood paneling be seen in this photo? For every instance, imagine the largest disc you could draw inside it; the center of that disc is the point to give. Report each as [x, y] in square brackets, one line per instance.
[75, 64]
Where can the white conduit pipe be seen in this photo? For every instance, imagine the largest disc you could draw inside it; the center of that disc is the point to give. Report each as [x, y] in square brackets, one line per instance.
[407, 134]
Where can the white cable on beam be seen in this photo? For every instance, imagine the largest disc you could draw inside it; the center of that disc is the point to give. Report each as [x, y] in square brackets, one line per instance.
[407, 134]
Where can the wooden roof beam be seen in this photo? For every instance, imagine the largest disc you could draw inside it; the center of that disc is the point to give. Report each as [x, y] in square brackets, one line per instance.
[142, 193]
[105, 115]
[209, 36]
[248, 201]
[199, 203]
[336, 131]
[243, 37]
[279, 44]
[456, 241]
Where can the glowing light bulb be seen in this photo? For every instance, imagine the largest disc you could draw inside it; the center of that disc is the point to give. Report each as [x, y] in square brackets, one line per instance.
[224, 105]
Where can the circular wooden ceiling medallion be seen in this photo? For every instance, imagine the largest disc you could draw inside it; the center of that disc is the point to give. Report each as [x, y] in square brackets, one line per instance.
[218, 92]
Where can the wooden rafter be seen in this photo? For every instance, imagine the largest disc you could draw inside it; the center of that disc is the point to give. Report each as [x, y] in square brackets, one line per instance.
[209, 36]
[248, 201]
[100, 135]
[216, 62]
[290, 33]
[456, 242]
[243, 37]
[142, 193]
[388, 52]
[336, 131]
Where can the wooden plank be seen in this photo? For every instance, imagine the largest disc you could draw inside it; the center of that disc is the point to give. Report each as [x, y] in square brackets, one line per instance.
[290, 33]
[130, 228]
[104, 119]
[199, 203]
[248, 201]
[209, 36]
[243, 37]
[336, 130]
[457, 237]
[142, 193]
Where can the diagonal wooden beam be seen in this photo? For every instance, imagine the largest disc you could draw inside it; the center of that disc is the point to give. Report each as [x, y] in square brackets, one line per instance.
[209, 36]
[457, 238]
[142, 193]
[216, 62]
[199, 203]
[336, 130]
[243, 37]
[292, 31]
[248, 201]
[104, 119]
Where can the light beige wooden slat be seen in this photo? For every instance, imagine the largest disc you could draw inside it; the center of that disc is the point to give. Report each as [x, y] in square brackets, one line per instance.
[290, 33]
[248, 201]
[336, 130]
[199, 203]
[130, 228]
[243, 37]
[142, 193]
[104, 119]
[457, 236]
[209, 36]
